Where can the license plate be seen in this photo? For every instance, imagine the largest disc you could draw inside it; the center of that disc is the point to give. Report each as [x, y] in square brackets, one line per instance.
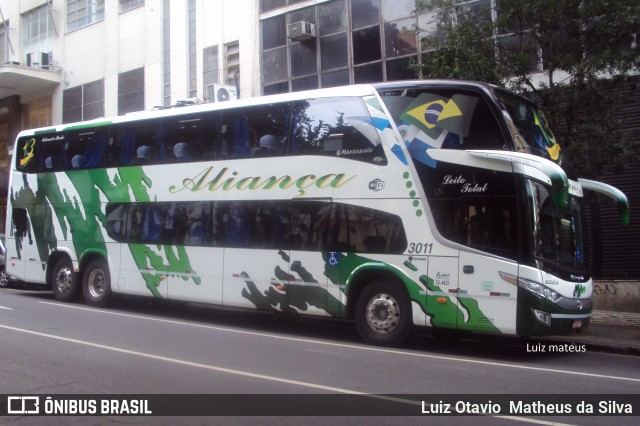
[577, 324]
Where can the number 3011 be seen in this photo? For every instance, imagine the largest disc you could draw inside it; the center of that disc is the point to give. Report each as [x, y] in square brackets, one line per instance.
[420, 248]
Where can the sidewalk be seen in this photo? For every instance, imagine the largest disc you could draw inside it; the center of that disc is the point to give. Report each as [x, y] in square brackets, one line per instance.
[609, 331]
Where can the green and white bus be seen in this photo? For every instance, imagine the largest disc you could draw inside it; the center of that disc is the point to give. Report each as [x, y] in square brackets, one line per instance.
[427, 203]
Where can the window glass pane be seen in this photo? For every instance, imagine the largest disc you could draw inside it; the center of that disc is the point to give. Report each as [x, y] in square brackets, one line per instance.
[308, 15]
[267, 5]
[365, 12]
[131, 91]
[51, 154]
[303, 59]
[333, 52]
[84, 149]
[366, 45]
[254, 131]
[428, 23]
[399, 69]
[94, 91]
[399, 40]
[396, 9]
[136, 143]
[284, 225]
[274, 65]
[336, 126]
[275, 89]
[335, 78]
[191, 137]
[307, 83]
[332, 17]
[274, 32]
[72, 105]
[210, 65]
[371, 73]
[473, 207]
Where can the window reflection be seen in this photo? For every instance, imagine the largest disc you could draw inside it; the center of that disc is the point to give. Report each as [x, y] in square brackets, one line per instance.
[269, 224]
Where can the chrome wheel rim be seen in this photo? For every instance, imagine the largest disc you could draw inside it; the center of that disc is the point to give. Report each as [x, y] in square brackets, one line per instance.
[383, 313]
[64, 280]
[96, 283]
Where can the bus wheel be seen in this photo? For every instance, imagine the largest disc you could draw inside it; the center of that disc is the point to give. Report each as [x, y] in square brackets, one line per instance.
[96, 283]
[4, 278]
[64, 285]
[383, 313]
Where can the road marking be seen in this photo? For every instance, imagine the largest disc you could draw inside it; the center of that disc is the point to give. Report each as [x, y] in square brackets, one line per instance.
[4, 307]
[343, 345]
[250, 374]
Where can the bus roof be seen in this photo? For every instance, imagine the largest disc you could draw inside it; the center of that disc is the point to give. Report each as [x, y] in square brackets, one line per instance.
[353, 90]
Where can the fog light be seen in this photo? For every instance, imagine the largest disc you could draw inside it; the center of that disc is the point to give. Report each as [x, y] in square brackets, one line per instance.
[543, 317]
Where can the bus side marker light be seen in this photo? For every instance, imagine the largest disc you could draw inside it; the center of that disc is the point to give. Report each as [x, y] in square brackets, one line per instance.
[442, 300]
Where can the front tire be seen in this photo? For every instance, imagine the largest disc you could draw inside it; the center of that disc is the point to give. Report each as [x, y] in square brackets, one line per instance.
[96, 283]
[383, 313]
[63, 281]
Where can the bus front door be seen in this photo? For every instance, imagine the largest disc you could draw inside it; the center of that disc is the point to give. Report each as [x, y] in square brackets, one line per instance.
[487, 301]
[443, 307]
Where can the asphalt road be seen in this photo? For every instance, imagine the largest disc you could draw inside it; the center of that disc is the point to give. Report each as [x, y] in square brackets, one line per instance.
[139, 346]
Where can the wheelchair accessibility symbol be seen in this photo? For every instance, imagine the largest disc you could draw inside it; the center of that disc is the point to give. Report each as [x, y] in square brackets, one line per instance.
[334, 258]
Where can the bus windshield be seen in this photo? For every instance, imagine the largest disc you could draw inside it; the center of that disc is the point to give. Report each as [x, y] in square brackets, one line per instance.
[556, 233]
[532, 125]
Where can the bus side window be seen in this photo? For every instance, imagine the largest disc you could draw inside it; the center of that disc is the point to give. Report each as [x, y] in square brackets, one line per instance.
[338, 126]
[191, 138]
[53, 156]
[242, 129]
[116, 221]
[85, 148]
[235, 224]
[139, 143]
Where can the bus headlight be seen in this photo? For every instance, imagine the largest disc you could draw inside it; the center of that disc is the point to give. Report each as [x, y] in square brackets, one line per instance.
[539, 289]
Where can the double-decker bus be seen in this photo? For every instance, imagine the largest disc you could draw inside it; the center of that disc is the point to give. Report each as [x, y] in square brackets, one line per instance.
[429, 203]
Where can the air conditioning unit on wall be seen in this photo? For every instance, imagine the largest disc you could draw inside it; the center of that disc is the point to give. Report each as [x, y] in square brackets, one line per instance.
[38, 60]
[220, 93]
[302, 30]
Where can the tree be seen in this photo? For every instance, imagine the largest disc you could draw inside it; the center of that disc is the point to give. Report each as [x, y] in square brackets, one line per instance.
[579, 59]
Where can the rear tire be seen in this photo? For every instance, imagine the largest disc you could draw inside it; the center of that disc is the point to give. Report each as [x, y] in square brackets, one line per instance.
[64, 281]
[383, 313]
[4, 278]
[96, 283]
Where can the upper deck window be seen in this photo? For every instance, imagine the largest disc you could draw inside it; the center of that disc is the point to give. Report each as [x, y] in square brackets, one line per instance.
[443, 118]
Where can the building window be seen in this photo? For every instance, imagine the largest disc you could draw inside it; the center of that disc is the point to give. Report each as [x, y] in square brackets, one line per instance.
[130, 4]
[84, 102]
[355, 41]
[37, 32]
[232, 63]
[211, 71]
[81, 13]
[131, 91]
